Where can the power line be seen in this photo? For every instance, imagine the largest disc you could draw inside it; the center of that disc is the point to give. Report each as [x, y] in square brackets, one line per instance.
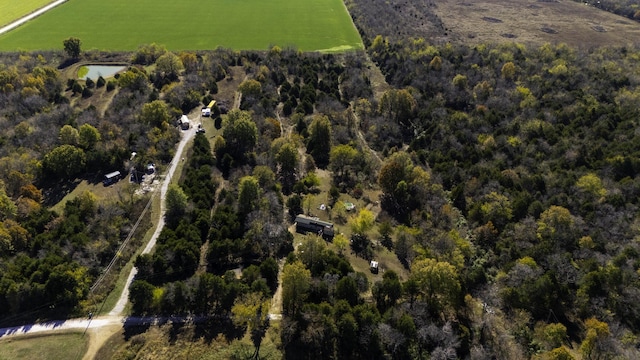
[124, 244]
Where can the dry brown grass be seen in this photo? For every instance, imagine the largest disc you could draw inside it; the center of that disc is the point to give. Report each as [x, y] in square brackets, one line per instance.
[228, 86]
[161, 342]
[533, 23]
[62, 345]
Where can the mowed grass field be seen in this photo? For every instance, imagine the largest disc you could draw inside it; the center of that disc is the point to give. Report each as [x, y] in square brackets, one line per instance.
[307, 25]
[11, 10]
[67, 345]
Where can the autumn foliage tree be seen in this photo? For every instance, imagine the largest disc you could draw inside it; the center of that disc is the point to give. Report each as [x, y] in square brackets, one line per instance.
[295, 287]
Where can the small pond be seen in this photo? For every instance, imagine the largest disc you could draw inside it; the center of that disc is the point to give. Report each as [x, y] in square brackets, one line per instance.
[94, 71]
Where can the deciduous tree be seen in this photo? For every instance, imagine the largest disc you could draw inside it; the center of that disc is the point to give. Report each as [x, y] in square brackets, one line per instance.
[363, 222]
[342, 160]
[240, 134]
[592, 345]
[189, 60]
[176, 202]
[287, 159]
[72, 47]
[141, 296]
[591, 184]
[8, 209]
[251, 88]
[248, 194]
[319, 142]
[169, 65]
[556, 225]
[437, 283]
[397, 105]
[388, 291]
[89, 136]
[252, 311]
[65, 161]
[69, 135]
[295, 286]
[341, 243]
[155, 113]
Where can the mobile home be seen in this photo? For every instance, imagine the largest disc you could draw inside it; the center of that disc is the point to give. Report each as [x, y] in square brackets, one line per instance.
[307, 224]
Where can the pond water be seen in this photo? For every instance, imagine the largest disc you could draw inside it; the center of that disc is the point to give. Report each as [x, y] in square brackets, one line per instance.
[94, 71]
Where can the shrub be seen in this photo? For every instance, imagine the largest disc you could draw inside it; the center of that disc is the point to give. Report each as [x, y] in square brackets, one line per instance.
[111, 85]
[86, 92]
[357, 191]
[71, 83]
[77, 88]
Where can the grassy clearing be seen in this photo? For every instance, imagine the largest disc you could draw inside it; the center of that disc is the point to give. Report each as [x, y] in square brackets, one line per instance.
[39, 347]
[98, 189]
[190, 25]
[11, 10]
[387, 259]
[111, 299]
[523, 21]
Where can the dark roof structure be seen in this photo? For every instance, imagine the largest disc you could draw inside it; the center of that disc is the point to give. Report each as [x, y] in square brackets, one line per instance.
[306, 224]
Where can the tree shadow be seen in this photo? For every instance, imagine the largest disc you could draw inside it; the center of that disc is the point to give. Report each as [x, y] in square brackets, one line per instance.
[68, 62]
[54, 192]
[209, 329]
[177, 328]
[135, 326]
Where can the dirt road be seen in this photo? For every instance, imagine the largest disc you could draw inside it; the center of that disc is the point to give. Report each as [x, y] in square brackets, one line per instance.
[124, 297]
[101, 328]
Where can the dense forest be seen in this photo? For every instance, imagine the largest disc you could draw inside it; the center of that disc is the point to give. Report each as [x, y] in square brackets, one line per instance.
[507, 174]
[508, 192]
[51, 258]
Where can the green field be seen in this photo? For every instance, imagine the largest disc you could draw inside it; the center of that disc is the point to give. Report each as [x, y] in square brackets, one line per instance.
[11, 10]
[62, 345]
[190, 25]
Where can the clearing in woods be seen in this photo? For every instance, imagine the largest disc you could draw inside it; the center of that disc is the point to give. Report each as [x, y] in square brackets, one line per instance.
[533, 22]
[67, 345]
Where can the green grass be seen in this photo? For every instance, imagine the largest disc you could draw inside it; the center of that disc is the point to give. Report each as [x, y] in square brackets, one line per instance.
[190, 25]
[103, 193]
[82, 72]
[40, 347]
[11, 10]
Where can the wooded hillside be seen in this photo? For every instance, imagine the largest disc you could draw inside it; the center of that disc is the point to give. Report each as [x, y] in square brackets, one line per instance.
[507, 215]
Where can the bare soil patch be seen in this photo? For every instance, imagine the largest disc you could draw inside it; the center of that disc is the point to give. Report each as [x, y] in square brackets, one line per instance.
[228, 86]
[99, 336]
[534, 22]
[492, 20]
[548, 30]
